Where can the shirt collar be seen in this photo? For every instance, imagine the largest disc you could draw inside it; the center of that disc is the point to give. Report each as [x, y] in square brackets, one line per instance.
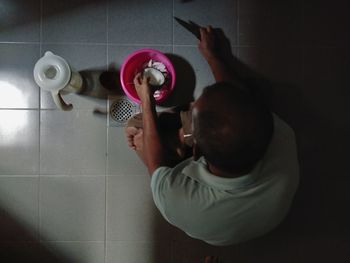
[198, 171]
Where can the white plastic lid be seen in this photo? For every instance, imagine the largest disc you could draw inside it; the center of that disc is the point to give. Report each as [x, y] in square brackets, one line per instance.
[51, 72]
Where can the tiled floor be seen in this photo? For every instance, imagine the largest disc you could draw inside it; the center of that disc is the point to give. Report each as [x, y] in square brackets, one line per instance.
[72, 191]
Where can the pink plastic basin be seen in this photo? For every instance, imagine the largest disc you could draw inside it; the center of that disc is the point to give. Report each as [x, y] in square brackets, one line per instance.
[135, 63]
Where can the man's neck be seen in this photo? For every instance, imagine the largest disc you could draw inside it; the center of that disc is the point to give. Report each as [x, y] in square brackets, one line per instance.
[218, 172]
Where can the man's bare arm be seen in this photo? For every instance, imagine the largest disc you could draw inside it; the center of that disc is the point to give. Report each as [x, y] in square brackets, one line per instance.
[215, 48]
[153, 149]
[208, 47]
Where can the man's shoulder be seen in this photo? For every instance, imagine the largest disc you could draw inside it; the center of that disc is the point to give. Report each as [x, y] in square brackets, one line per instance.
[172, 175]
[185, 167]
[282, 128]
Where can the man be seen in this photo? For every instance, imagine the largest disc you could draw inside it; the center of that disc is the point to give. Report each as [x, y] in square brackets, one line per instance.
[241, 179]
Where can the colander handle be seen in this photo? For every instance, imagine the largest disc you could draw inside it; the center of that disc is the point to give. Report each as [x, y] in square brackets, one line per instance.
[61, 104]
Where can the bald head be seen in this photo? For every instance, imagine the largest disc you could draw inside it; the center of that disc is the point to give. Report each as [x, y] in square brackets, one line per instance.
[231, 129]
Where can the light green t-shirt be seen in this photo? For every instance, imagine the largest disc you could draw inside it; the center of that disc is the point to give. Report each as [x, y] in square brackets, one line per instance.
[225, 211]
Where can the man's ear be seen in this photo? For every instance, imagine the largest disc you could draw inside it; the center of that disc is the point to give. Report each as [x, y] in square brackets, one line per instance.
[196, 151]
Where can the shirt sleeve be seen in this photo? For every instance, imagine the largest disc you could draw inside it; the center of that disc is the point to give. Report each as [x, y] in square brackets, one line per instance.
[167, 184]
[159, 185]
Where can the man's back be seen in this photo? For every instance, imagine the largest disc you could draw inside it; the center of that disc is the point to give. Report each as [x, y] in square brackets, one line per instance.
[224, 211]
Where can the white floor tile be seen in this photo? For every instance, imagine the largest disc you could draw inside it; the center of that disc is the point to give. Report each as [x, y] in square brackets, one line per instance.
[126, 24]
[196, 251]
[17, 86]
[131, 213]
[28, 252]
[136, 252]
[19, 142]
[72, 208]
[77, 252]
[82, 21]
[122, 160]
[222, 14]
[203, 75]
[19, 208]
[72, 143]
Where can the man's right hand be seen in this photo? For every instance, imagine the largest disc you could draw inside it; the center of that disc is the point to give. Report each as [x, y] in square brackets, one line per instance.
[208, 45]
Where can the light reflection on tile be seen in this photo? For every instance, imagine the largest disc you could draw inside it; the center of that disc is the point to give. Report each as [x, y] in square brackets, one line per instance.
[17, 86]
[11, 125]
[13, 95]
[19, 142]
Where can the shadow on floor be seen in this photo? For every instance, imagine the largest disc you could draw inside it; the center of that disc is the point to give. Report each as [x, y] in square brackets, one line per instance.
[19, 245]
[185, 82]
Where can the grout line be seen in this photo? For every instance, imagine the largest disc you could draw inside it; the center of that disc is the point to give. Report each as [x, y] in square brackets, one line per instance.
[105, 237]
[39, 179]
[61, 241]
[21, 42]
[19, 176]
[107, 34]
[75, 43]
[106, 154]
[107, 133]
[72, 175]
[142, 44]
[238, 23]
[107, 21]
[106, 184]
[184, 45]
[303, 47]
[237, 47]
[302, 22]
[173, 26]
[41, 25]
[334, 46]
[30, 109]
[19, 243]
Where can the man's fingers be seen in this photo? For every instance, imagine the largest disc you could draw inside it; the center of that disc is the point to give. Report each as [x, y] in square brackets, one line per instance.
[137, 79]
[138, 135]
[209, 29]
[131, 145]
[145, 80]
[131, 131]
[133, 135]
[202, 31]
